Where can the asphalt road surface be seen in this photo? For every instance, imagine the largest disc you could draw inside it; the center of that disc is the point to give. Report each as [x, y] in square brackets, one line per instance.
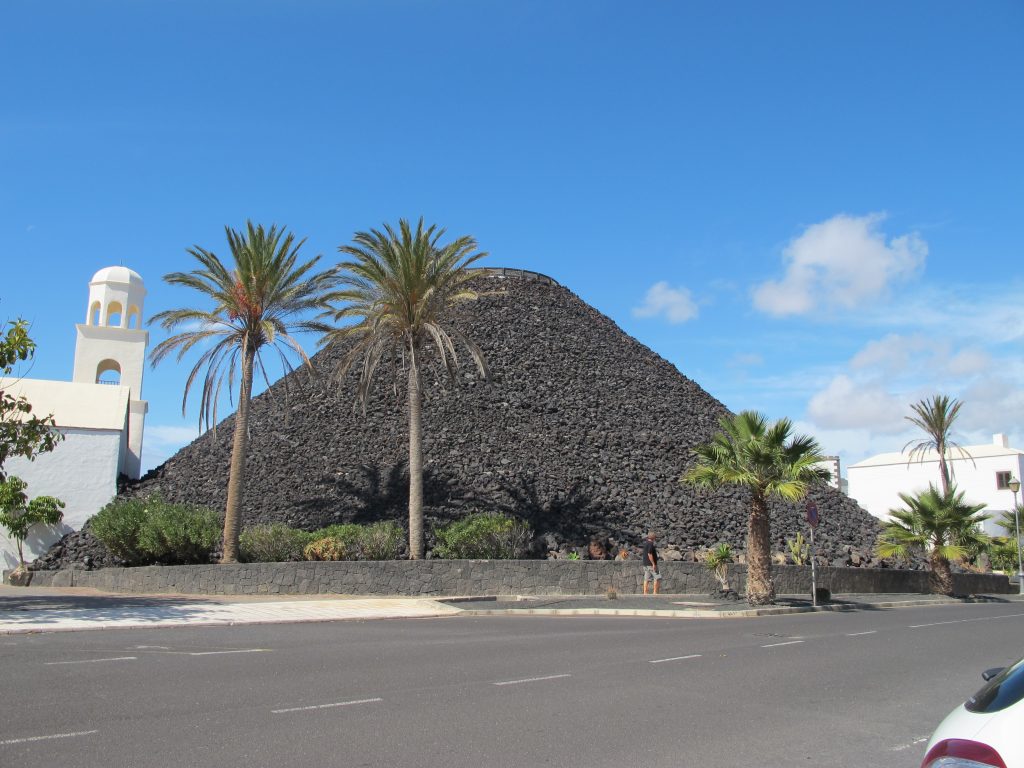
[855, 689]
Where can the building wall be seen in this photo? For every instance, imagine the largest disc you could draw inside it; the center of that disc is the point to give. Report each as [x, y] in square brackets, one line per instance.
[81, 471]
[877, 488]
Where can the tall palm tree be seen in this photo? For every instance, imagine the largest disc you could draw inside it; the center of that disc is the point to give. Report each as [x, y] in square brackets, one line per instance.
[259, 301]
[397, 287]
[764, 458]
[935, 417]
[941, 524]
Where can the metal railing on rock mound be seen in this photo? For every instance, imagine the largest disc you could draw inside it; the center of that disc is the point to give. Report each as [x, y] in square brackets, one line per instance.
[522, 274]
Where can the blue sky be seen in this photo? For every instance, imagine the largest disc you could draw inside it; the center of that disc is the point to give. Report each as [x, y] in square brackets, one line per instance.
[812, 209]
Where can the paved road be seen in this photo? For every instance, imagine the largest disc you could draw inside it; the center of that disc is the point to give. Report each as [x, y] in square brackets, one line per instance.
[839, 689]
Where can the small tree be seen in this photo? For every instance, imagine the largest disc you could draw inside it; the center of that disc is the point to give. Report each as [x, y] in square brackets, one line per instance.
[21, 433]
[935, 417]
[398, 288]
[770, 462]
[717, 561]
[259, 300]
[940, 524]
[18, 514]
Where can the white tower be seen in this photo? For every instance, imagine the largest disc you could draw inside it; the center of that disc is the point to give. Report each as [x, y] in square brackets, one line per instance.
[111, 348]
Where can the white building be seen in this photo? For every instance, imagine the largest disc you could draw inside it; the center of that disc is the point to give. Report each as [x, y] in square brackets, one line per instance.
[100, 412]
[980, 471]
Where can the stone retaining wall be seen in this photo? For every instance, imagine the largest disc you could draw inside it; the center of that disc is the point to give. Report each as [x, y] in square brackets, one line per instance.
[449, 578]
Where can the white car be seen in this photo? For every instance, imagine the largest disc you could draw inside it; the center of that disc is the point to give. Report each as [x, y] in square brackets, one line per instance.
[986, 731]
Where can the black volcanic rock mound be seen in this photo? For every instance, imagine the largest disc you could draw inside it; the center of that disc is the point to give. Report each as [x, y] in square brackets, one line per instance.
[583, 431]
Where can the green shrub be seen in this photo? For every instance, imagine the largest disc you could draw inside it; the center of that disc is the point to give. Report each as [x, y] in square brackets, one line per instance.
[118, 524]
[483, 536]
[179, 533]
[274, 543]
[381, 541]
[327, 548]
[799, 550]
[348, 536]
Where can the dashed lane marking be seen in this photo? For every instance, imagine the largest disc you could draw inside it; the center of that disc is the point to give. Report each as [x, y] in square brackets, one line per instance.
[218, 653]
[675, 658]
[27, 739]
[914, 743]
[964, 621]
[531, 680]
[326, 706]
[788, 642]
[90, 661]
[858, 634]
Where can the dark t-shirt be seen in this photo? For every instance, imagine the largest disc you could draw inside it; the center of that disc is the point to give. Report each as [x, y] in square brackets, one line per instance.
[650, 553]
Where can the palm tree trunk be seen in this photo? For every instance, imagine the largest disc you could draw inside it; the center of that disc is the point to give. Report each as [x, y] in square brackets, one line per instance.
[760, 589]
[239, 449]
[944, 472]
[415, 465]
[941, 577]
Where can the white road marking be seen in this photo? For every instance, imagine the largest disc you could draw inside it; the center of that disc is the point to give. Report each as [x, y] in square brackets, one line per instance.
[91, 661]
[675, 658]
[45, 738]
[914, 743]
[153, 647]
[217, 653]
[964, 621]
[858, 634]
[326, 706]
[530, 680]
[788, 642]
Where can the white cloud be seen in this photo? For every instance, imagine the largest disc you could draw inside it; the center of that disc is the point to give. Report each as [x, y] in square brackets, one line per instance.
[849, 404]
[842, 262]
[892, 354]
[676, 304]
[969, 361]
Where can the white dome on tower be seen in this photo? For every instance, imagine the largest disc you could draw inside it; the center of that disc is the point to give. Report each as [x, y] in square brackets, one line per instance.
[117, 275]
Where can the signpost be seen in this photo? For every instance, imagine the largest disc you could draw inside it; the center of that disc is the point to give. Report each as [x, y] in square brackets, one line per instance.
[812, 521]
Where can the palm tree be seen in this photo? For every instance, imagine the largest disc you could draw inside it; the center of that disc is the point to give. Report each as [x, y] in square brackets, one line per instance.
[764, 458]
[397, 287]
[935, 417]
[258, 302]
[940, 524]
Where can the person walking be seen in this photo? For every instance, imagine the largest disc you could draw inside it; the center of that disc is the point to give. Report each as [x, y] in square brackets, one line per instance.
[650, 559]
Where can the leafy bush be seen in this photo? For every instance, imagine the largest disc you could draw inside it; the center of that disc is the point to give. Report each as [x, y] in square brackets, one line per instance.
[483, 536]
[274, 543]
[799, 550]
[381, 541]
[179, 533]
[327, 548]
[717, 561]
[348, 535]
[1003, 553]
[118, 524]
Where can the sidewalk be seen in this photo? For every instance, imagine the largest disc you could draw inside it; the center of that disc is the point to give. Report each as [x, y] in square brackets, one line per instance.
[41, 609]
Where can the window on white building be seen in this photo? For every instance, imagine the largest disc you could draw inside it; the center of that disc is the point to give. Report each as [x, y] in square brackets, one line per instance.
[1003, 480]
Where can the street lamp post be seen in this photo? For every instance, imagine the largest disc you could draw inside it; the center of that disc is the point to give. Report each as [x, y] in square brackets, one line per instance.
[1014, 485]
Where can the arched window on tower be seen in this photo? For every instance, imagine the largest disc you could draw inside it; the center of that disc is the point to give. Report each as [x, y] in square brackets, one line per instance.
[114, 310]
[133, 317]
[94, 314]
[108, 372]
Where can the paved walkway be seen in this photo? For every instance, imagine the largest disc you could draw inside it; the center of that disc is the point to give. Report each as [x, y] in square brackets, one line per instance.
[41, 609]
[36, 609]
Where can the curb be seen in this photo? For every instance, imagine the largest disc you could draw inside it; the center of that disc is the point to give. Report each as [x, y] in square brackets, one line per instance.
[699, 613]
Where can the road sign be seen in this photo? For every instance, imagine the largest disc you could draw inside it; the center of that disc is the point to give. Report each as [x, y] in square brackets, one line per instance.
[812, 514]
